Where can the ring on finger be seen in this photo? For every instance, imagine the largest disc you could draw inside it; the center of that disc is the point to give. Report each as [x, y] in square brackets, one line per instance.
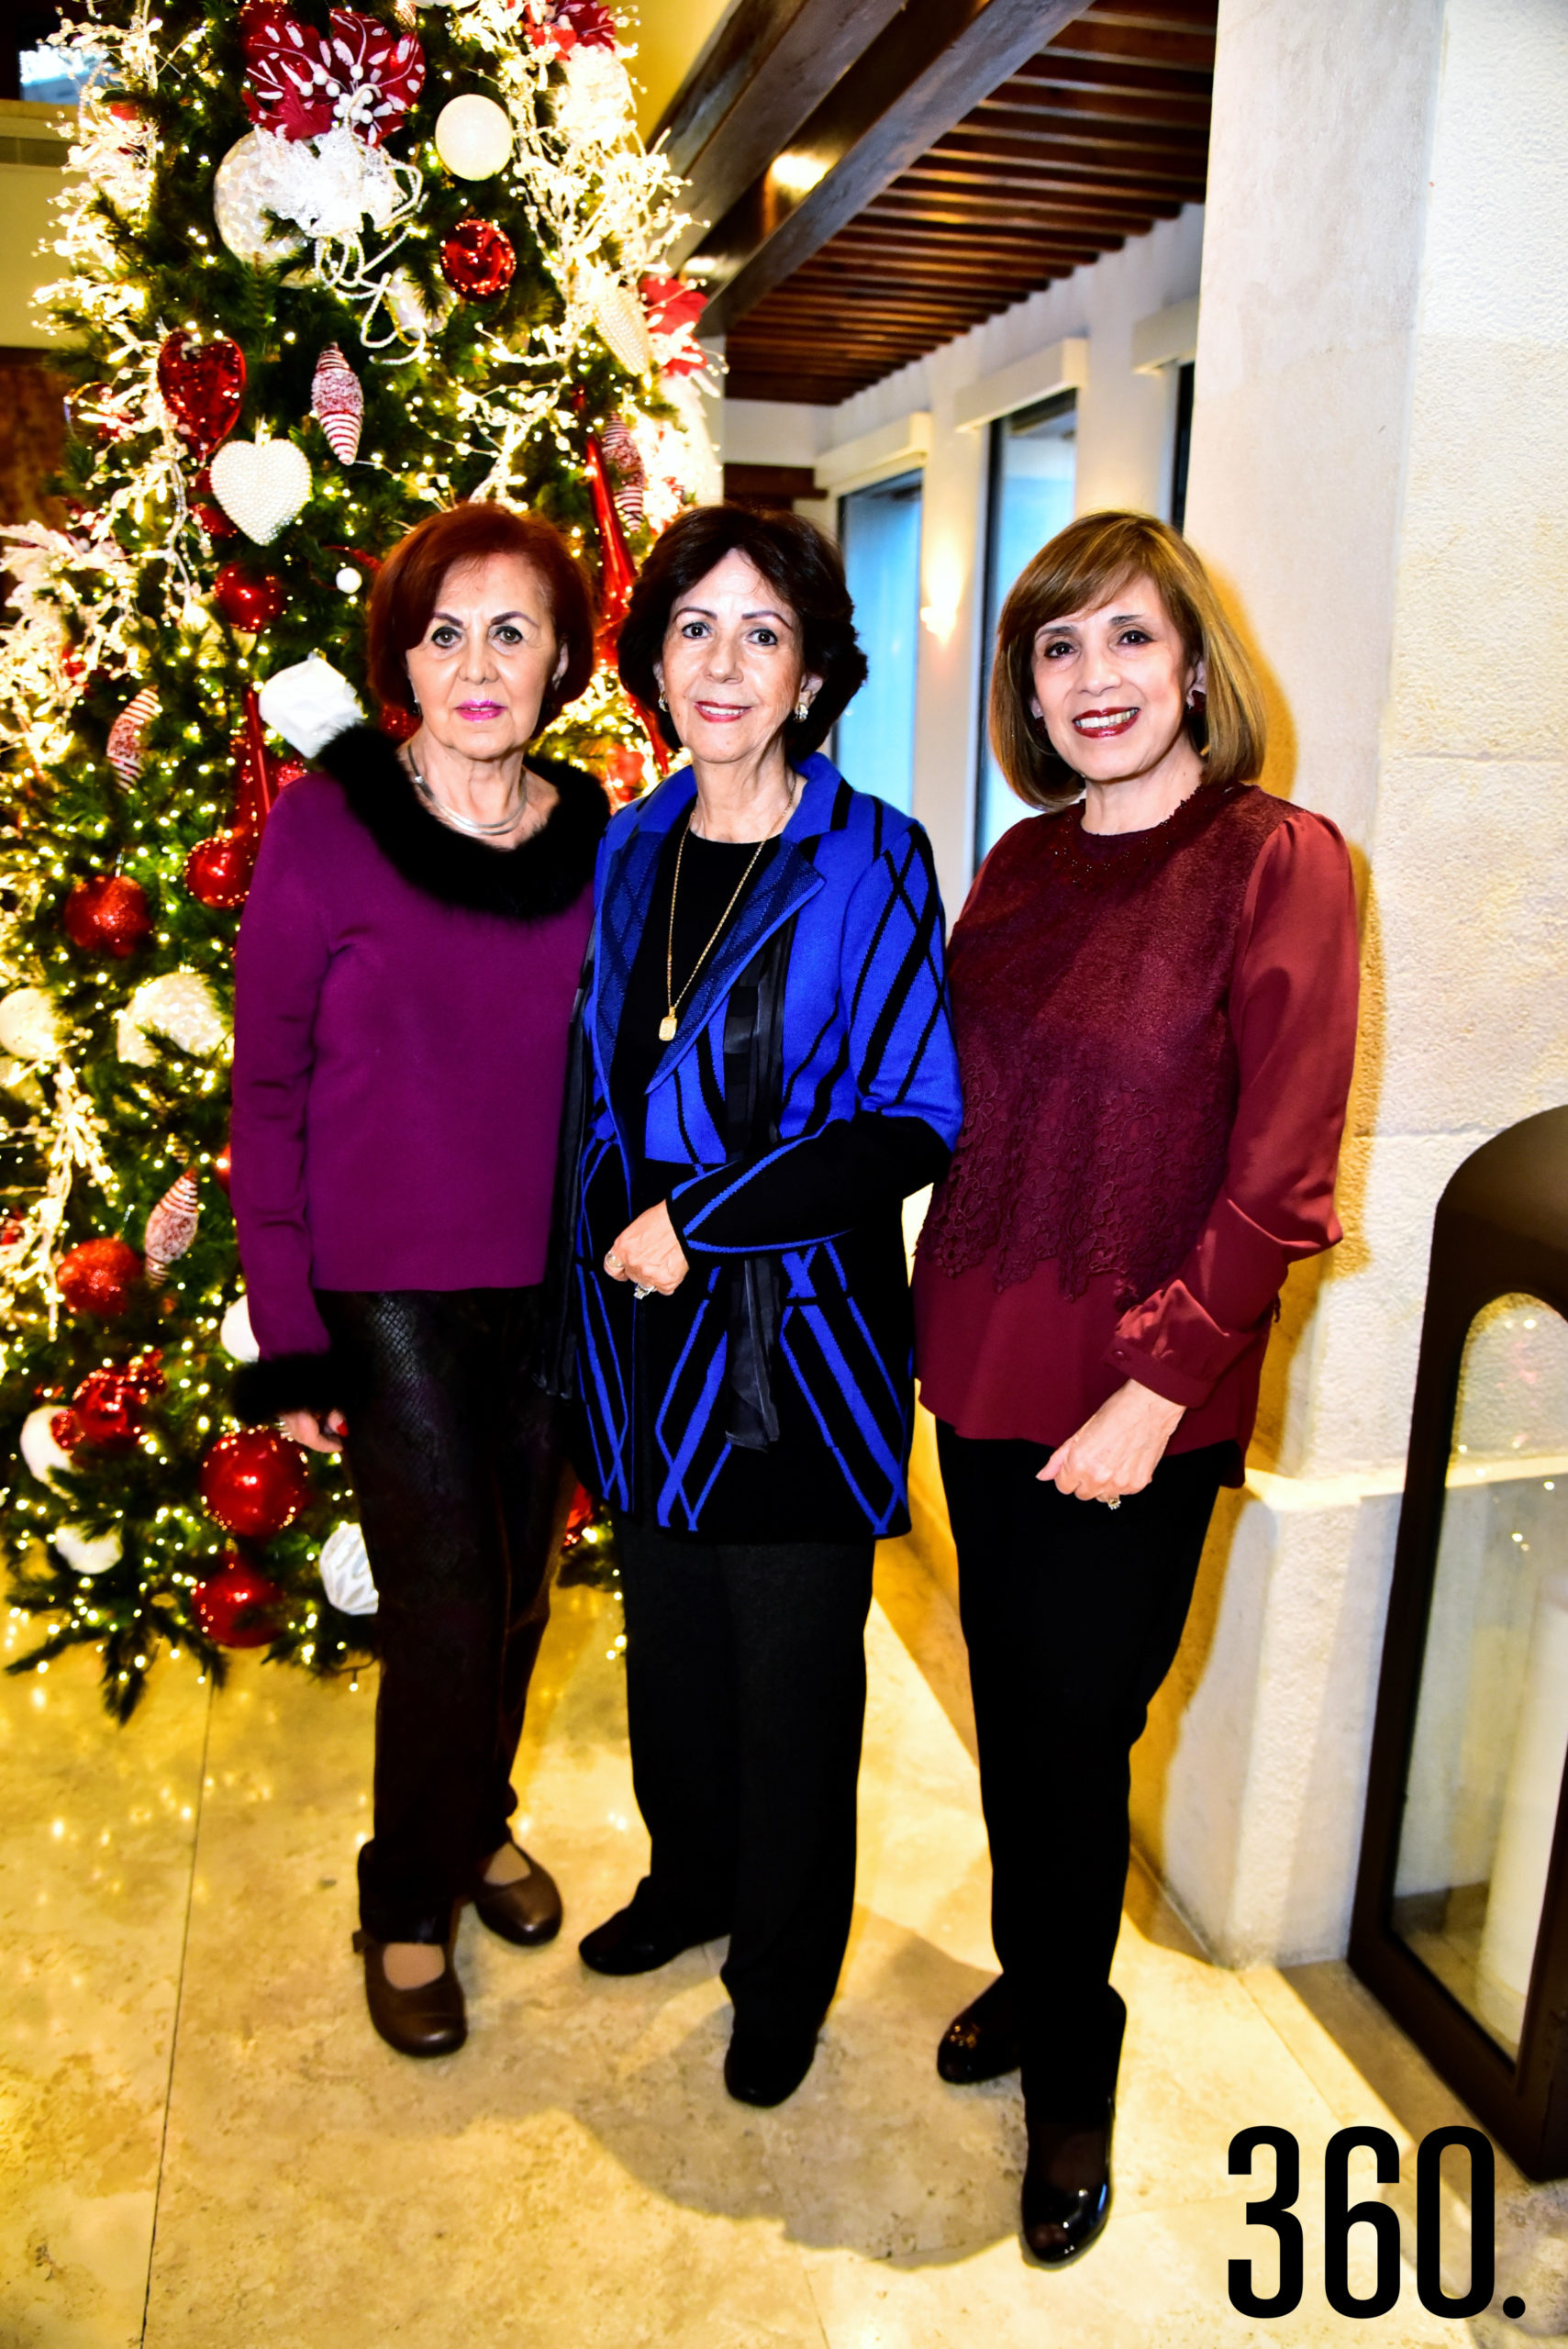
[638, 1291]
[1112, 1501]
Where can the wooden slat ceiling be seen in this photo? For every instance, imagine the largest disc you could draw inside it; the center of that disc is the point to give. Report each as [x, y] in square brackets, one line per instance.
[1100, 135]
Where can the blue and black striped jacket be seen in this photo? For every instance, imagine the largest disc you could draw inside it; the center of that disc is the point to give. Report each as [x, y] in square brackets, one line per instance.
[812, 1083]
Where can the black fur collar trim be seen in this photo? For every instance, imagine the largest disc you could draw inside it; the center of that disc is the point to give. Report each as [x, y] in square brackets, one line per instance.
[542, 876]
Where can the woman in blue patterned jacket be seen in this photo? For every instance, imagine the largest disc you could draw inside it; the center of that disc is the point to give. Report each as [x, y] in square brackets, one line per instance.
[764, 1069]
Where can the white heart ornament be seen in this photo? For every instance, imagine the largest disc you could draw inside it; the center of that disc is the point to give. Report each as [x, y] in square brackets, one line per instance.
[260, 485]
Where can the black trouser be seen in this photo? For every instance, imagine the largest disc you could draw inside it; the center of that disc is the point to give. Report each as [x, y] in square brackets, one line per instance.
[457, 1468]
[1073, 1614]
[745, 1690]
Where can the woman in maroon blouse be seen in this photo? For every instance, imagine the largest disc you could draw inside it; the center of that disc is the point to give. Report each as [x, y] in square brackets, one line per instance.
[1154, 996]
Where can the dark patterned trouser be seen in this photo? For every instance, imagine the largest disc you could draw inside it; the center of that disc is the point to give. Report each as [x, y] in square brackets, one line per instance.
[457, 1466]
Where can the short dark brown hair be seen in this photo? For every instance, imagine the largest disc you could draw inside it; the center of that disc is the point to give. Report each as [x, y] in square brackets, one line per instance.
[799, 563]
[408, 588]
[1085, 565]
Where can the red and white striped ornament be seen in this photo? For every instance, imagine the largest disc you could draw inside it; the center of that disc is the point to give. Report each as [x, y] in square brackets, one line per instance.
[630, 486]
[172, 1226]
[123, 749]
[338, 403]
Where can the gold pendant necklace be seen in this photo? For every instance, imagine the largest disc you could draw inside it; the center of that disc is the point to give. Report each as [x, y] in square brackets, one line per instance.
[672, 1018]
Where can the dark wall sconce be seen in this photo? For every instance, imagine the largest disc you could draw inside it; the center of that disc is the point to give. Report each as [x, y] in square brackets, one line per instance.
[1460, 1920]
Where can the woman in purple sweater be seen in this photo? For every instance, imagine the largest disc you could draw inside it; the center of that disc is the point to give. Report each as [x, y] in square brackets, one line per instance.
[403, 984]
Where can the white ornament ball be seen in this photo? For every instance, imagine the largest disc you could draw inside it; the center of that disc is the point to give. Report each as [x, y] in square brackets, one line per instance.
[473, 137]
[27, 1027]
[309, 704]
[235, 1334]
[346, 582]
[179, 1004]
[37, 1445]
[260, 484]
[346, 1570]
[244, 189]
[86, 1553]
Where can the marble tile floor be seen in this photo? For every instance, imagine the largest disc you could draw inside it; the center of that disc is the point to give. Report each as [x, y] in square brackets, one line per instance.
[202, 2142]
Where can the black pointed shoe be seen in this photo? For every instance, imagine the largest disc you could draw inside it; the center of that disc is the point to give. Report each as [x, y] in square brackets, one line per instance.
[1067, 2187]
[636, 1940]
[429, 2021]
[527, 1911]
[765, 2067]
[980, 2044]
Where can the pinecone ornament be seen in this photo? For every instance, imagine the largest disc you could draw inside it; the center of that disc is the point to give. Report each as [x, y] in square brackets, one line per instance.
[172, 1226]
[338, 403]
[123, 748]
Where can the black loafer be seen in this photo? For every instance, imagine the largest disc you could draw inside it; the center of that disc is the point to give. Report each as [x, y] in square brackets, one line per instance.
[765, 2067]
[980, 2044]
[527, 1911]
[1059, 2222]
[430, 2020]
[631, 1941]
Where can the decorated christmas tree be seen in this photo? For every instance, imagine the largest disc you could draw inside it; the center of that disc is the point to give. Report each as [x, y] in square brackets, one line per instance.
[323, 271]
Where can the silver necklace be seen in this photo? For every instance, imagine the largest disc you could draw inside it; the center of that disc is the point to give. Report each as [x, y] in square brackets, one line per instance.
[467, 823]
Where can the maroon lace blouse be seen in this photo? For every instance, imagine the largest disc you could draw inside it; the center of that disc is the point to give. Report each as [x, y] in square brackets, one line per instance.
[1155, 1032]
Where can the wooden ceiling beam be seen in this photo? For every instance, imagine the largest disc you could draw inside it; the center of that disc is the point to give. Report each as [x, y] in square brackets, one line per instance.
[1053, 69]
[962, 172]
[1093, 35]
[768, 65]
[921, 74]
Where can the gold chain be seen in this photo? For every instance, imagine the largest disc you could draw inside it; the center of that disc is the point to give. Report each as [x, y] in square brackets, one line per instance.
[671, 1020]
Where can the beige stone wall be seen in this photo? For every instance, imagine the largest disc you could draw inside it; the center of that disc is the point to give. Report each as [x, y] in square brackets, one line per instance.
[1380, 473]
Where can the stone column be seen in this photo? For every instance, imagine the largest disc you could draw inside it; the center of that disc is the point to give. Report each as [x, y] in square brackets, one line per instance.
[1380, 478]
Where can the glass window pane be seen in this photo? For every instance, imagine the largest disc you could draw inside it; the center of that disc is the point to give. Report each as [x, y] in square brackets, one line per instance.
[873, 742]
[1033, 483]
[1492, 1719]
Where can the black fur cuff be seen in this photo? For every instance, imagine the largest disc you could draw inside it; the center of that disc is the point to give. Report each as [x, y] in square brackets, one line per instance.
[319, 1383]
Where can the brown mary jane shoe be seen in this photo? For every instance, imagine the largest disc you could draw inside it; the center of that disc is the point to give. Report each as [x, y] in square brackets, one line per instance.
[430, 2020]
[527, 1911]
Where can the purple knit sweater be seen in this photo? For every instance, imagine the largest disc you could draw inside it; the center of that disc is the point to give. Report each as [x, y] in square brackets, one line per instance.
[402, 997]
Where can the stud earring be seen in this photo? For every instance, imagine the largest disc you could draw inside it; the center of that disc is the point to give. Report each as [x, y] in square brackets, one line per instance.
[803, 708]
[662, 703]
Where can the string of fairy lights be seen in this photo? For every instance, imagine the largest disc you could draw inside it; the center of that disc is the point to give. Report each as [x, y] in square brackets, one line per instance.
[124, 676]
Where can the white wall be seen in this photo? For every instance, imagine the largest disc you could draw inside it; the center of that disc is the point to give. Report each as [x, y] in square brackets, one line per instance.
[1125, 432]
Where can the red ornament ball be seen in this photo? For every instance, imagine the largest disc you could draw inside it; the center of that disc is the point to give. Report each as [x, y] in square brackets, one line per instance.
[218, 872]
[248, 599]
[399, 725]
[109, 1407]
[66, 1429]
[98, 1277]
[223, 1168]
[478, 259]
[253, 1482]
[107, 915]
[233, 1605]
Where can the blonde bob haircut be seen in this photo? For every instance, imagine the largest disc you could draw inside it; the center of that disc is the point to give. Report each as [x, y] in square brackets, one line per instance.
[1083, 567]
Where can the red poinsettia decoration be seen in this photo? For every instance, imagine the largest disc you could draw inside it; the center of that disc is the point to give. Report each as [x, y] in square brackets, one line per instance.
[300, 83]
[562, 25]
[674, 309]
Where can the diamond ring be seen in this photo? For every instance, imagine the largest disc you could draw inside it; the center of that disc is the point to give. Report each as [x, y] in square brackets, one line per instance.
[642, 1292]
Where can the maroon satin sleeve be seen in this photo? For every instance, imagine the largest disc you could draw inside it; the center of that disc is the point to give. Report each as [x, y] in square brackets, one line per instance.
[1293, 1012]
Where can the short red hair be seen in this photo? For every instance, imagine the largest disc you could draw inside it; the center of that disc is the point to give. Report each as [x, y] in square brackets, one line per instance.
[408, 588]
